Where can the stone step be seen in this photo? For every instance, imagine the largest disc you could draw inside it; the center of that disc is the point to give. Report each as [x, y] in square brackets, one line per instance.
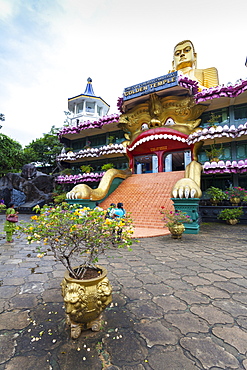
[143, 196]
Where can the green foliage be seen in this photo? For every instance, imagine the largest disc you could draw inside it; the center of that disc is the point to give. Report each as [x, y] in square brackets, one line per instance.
[110, 139]
[214, 152]
[2, 207]
[66, 171]
[231, 214]
[44, 150]
[60, 198]
[86, 168]
[236, 192]
[172, 218]
[107, 166]
[213, 119]
[216, 194]
[11, 155]
[76, 235]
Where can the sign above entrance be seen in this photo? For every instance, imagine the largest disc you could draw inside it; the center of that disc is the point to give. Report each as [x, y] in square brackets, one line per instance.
[151, 86]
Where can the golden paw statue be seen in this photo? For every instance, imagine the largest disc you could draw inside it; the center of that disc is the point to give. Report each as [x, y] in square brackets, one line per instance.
[189, 186]
[83, 191]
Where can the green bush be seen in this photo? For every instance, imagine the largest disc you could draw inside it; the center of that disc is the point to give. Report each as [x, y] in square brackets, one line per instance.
[107, 166]
[216, 194]
[60, 198]
[231, 214]
[86, 168]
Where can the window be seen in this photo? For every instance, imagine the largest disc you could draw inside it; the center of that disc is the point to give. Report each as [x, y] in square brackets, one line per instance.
[98, 140]
[90, 107]
[99, 111]
[78, 144]
[79, 107]
[240, 111]
[222, 119]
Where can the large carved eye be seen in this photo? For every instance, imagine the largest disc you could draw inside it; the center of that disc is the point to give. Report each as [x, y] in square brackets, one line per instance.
[144, 127]
[169, 121]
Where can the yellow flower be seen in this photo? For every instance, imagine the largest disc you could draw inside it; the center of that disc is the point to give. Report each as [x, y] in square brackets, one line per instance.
[34, 217]
[31, 228]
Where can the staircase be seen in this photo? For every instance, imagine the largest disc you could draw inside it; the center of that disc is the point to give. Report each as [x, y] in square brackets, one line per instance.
[143, 195]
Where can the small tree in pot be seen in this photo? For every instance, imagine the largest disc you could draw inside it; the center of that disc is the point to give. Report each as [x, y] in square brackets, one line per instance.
[78, 236]
[216, 195]
[231, 215]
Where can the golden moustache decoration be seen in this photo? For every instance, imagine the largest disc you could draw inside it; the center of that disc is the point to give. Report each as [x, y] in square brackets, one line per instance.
[176, 112]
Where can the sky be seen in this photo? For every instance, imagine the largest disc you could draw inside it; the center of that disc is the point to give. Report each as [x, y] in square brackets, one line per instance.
[48, 49]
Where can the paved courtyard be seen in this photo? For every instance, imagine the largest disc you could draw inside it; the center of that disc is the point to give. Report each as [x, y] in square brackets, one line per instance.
[177, 304]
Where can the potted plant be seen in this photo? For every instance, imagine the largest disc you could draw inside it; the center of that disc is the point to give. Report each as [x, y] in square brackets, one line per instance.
[76, 237]
[174, 220]
[2, 206]
[110, 140]
[231, 215]
[87, 168]
[216, 195]
[107, 166]
[236, 194]
[214, 153]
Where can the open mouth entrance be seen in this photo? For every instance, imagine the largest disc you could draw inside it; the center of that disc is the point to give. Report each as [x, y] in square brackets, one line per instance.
[175, 161]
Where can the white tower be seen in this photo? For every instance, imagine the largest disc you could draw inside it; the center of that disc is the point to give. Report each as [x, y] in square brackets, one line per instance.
[87, 106]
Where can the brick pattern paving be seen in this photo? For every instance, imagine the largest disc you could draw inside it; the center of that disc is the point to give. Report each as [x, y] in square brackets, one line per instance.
[143, 195]
[177, 304]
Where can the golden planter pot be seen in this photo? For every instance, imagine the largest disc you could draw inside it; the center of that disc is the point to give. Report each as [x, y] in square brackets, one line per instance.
[235, 201]
[176, 231]
[85, 300]
[232, 222]
[214, 202]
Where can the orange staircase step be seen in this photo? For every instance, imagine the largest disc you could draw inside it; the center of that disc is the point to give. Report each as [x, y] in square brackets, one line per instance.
[143, 196]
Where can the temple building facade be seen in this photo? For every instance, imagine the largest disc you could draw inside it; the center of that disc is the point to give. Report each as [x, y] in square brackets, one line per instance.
[181, 121]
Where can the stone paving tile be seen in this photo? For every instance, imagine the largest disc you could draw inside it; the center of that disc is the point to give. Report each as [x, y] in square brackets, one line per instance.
[230, 287]
[212, 314]
[171, 358]
[235, 336]
[232, 307]
[178, 303]
[155, 333]
[213, 292]
[187, 322]
[191, 297]
[228, 274]
[209, 353]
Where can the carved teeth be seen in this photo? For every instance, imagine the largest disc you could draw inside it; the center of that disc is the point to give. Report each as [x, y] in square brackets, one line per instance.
[156, 137]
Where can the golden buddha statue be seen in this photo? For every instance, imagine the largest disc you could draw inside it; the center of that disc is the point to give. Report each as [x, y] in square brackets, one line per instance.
[185, 60]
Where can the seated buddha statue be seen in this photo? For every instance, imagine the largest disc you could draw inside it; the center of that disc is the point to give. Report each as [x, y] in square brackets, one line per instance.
[185, 60]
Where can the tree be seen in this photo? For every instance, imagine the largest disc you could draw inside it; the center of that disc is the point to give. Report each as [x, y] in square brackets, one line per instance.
[11, 155]
[44, 150]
